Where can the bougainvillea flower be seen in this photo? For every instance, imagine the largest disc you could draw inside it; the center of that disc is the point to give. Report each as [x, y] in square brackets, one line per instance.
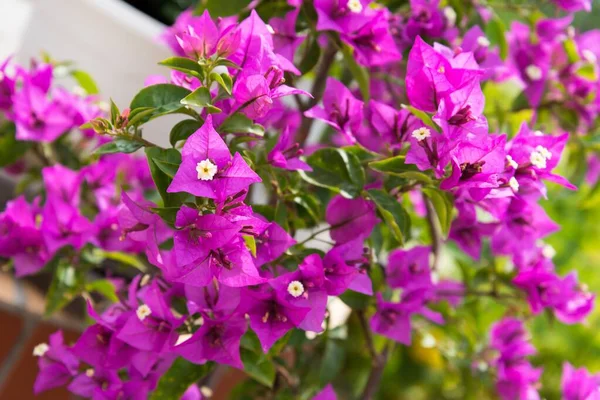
[220, 300]
[272, 243]
[63, 183]
[99, 347]
[63, 225]
[285, 38]
[285, 154]
[215, 340]
[574, 5]
[350, 218]
[326, 394]
[344, 267]
[341, 15]
[389, 127]
[198, 234]
[392, 320]
[578, 383]
[467, 232]
[271, 316]
[341, 109]
[56, 362]
[136, 219]
[305, 288]
[409, 268]
[96, 383]
[200, 39]
[207, 168]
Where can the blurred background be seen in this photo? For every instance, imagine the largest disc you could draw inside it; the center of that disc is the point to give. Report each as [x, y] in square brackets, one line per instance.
[115, 41]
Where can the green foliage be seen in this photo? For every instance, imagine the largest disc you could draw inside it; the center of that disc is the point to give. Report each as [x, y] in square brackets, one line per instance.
[119, 145]
[10, 148]
[163, 165]
[157, 100]
[183, 129]
[336, 169]
[179, 378]
[392, 212]
[239, 123]
[67, 283]
[220, 8]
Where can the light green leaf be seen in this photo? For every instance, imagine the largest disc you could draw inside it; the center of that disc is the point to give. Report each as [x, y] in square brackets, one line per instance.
[250, 244]
[443, 204]
[185, 65]
[105, 288]
[224, 80]
[360, 74]
[67, 283]
[394, 215]
[179, 378]
[86, 81]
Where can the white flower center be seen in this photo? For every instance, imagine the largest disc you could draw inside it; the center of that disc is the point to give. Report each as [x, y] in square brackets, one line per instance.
[40, 349]
[270, 29]
[514, 184]
[533, 72]
[89, 372]
[511, 162]
[589, 56]
[206, 391]
[421, 134]
[483, 41]
[295, 288]
[548, 251]
[441, 69]
[538, 133]
[206, 170]
[355, 6]
[544, 152]
[450, 15]
[143, 311]
[538, 160]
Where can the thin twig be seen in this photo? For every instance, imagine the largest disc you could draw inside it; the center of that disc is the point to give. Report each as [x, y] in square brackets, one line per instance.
[376, 373]
[436, 233]
[368, 335]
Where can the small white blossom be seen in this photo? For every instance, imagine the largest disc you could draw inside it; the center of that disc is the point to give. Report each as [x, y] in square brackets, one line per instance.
[544, 152]
[483, 41]
[206, 170]
[538, 133]
[295, 288]
[537, 160]
[355, 6]
[89, 372]
[450, 15]
[143, 311]
[270, 29]
[514, 184]
[511, 162]
[548, 251]
[533, 72]
[40, 349]
[421, 134]
[482, 366]
[206, 391]
[571, 32]
[589, 56]
[428, 341]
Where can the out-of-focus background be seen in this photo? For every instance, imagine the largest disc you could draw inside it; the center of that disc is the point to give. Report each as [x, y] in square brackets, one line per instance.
[115, 41]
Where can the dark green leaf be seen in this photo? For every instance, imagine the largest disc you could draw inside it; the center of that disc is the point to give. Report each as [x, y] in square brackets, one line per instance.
[183, 130]
[258, 366]
[443, 205]
[179, 378]
[355, 300]
[11, 149]
[185, 65]
[337, 170]
[239, 123]
[86, 81]
[311, 56]
[394, 215]
[396, 166]
[164, 98]
[496, 33]
[222, 8]
[114, 112]
[158, 156]
[362, 153]
[333, 361]
[200, 98]
[120, 145]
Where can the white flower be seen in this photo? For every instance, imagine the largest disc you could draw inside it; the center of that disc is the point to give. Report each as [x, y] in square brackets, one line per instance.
[182, 338]
[548, 251]
[89, 372]
[143, 311]
[450, 15]
[538, 133]
[206, 391]
[483, 41]
[544, 152]
[589, 56]
[533, 72]
[421, 134]
[355, 6]
[206, 170]
[514, 184]
[511, 162]
[295, 288]
[428, 341]
[40, 349]
[537, 160]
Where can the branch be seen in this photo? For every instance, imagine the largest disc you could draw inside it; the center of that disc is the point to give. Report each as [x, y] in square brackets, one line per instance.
[376, 373]
[368, 336]
[317, 91]
[436, 233]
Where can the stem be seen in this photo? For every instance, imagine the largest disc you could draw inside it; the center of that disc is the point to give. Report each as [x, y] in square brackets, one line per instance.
[376, 373]
[317, 91]
[467, 292]
[368, 336]
[436, 233]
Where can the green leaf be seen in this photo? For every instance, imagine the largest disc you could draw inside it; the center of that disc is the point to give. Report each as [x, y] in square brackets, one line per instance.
[183, 130]
[163, 98]
[495, 31]
[67, 283]
[258, 366]
[394, 215]
[443, 204]
[396, 166]
[222, 8]
[588, 72]
[224, 80]
[86, 81]
[185, 65]
[200, 98]
[114, 112]
[179, 378]
[355, 300]
[423, 116]
[250, 244]
[311, 56]
[333, 361]
[239, 123]
[124, 258]
[11, 149]
[120, 145]
[362, 153]
[570, 48]
[336, 169]
[105, 288]
[360, 74]
[158, 159]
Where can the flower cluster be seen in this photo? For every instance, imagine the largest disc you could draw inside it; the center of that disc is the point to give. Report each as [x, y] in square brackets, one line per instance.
[229, 223]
